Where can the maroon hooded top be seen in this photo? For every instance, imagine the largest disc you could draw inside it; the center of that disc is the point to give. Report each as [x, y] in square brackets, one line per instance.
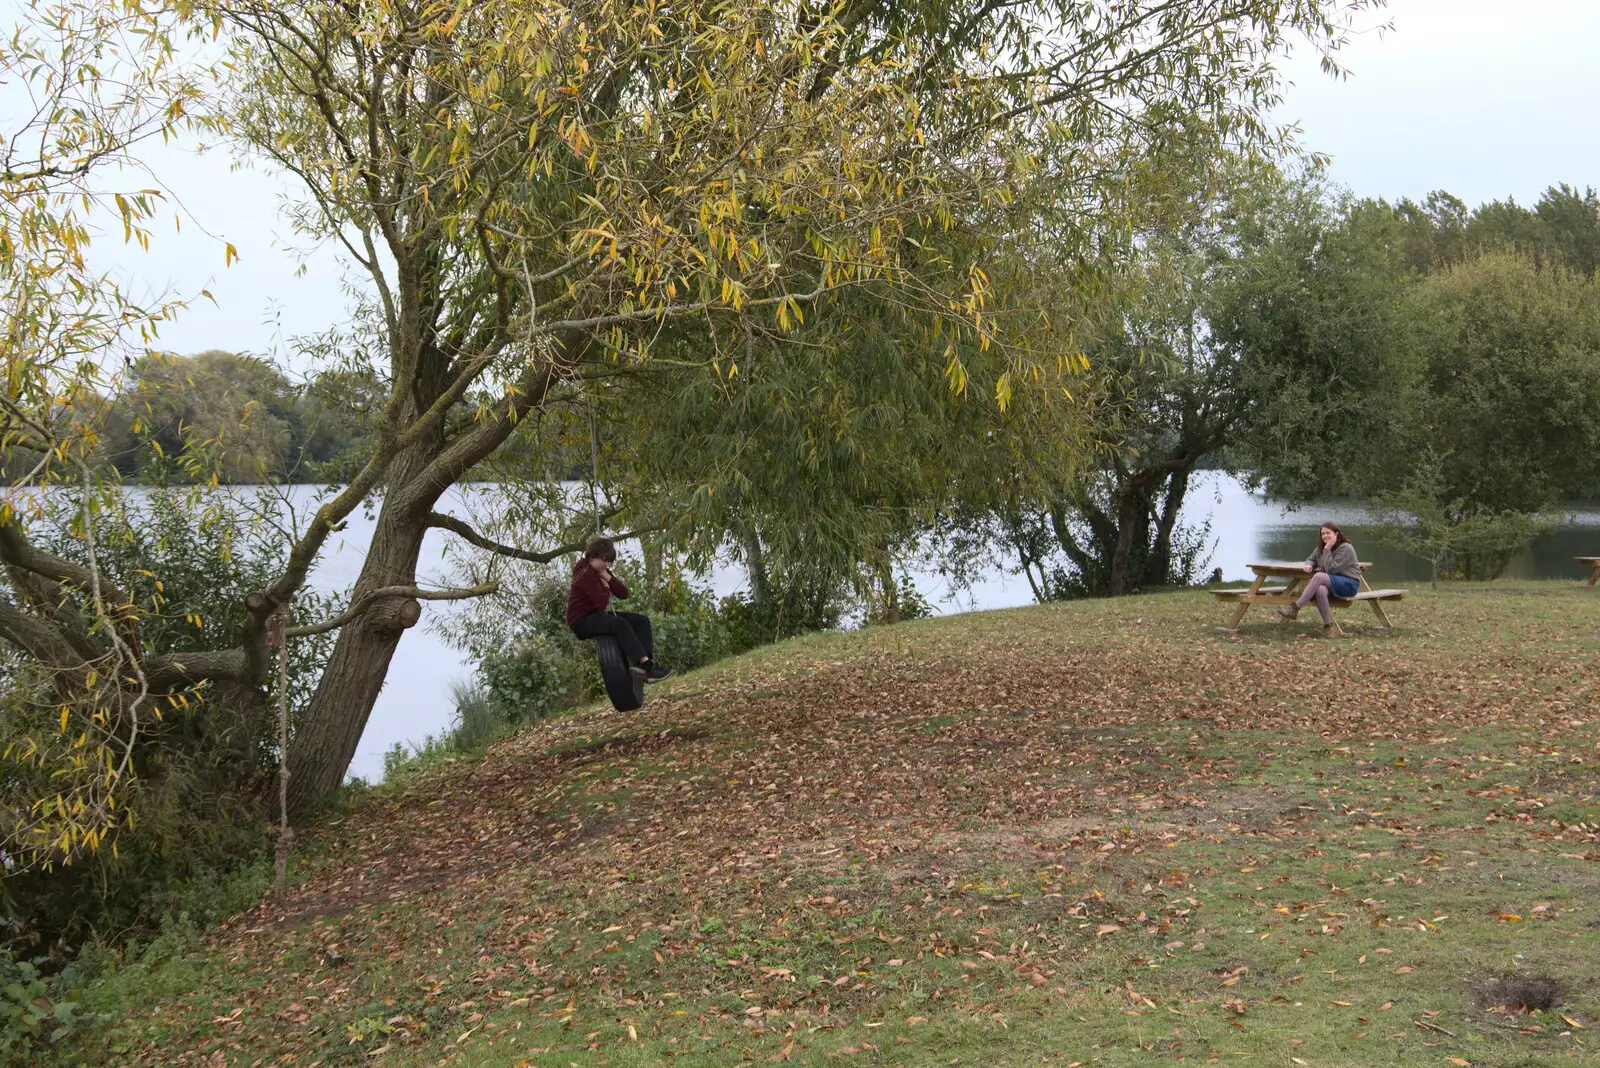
[590, 592]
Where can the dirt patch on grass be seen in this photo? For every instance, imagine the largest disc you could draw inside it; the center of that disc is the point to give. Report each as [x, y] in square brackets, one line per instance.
[1522, 993]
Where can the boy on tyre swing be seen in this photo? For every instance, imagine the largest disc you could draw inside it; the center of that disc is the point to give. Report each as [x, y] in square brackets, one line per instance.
[588, 614]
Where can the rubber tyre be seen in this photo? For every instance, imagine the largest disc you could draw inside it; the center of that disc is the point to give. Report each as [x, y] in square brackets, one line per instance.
[625, 689]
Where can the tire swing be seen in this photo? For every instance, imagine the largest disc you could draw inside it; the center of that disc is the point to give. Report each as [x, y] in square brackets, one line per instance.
[625, 689]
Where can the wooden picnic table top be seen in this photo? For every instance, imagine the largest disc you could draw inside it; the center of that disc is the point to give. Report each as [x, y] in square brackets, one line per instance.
[1592, 560]
[1281, 570]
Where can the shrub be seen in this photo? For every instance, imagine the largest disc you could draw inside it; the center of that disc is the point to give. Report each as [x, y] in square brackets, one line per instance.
[36, 1011]
[910, 603]
[689, 633]
[536, 678]
[787, 612]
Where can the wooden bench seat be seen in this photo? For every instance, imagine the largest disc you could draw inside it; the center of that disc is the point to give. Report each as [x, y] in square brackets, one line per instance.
[1244, 591]
[1371, 595]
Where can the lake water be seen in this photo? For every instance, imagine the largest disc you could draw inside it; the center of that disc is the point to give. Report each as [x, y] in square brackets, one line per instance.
[1245, 529]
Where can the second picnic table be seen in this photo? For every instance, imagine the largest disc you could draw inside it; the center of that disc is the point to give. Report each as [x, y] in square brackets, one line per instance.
[1594, 562]
[1296, 576]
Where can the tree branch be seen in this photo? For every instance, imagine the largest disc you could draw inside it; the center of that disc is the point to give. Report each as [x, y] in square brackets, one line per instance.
[456, 526]
[166, 673]
[15, 549]
[384, 593]
[40, 641]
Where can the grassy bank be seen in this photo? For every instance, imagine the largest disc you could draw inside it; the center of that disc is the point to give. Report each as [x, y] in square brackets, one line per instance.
[1094, 833]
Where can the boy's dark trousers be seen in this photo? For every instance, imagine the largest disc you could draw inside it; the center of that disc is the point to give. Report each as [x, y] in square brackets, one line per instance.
[631, 630]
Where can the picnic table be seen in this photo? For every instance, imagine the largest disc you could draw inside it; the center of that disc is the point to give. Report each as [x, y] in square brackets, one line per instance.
[1594, 562]
[1295, 577]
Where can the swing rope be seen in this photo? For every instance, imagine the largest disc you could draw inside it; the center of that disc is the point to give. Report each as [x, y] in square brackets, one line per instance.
[594, 469]
[276, 633]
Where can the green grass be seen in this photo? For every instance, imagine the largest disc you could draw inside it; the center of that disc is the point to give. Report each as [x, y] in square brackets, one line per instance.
[1098, 832]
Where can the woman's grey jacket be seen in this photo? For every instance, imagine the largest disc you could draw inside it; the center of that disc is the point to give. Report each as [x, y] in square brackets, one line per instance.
[1339, 560]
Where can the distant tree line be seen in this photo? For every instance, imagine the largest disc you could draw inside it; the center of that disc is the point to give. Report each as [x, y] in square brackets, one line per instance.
[242, 415]
[1562, 229]
[1459, 391]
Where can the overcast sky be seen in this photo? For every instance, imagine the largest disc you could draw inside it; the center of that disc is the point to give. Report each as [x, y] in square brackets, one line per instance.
[1484, 98]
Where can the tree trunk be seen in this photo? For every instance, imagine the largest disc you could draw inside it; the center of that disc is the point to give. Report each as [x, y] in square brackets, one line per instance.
[755, 565]
[890, 591]
[1027, 571]
[1098, 525]
[327, 736]
[650, 546]
[326, 739]
[1122, 554]
[345, 695]
[1158, 568]
[1133, 522]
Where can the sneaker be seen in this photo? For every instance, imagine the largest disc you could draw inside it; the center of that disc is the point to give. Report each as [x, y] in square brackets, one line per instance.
[656, 673]
[1289, 611]
[638, 672]
[1329, 631]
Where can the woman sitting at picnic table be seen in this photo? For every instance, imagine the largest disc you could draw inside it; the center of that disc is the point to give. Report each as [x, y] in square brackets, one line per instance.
[1336, 572]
